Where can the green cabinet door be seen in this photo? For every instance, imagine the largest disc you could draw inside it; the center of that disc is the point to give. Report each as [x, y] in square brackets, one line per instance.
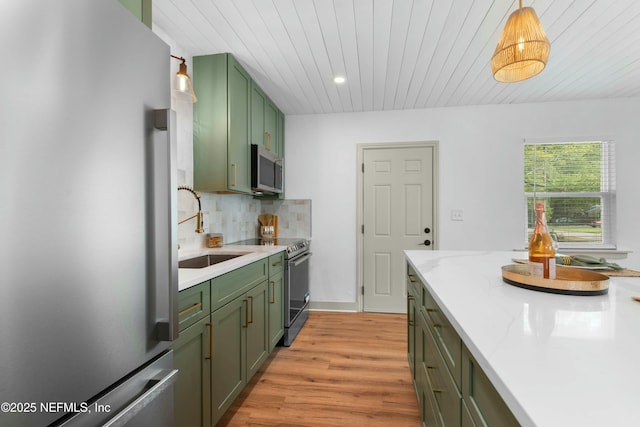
[280, 135]
[411, 330]
[239, 87]
[192, 389]
[228, 364]
[257, 329]
[276, 309]
[271, 127]
[264, 120]
[484, 403]
[258, 101]
[221, 155]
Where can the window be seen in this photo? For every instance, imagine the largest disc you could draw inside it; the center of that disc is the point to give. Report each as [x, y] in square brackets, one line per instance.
[577, 182]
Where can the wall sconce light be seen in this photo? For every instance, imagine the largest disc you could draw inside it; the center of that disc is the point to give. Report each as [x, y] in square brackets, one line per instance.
[183, 80]
[523, 49]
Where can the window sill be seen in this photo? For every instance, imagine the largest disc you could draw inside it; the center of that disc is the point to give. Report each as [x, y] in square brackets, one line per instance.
[596, 252]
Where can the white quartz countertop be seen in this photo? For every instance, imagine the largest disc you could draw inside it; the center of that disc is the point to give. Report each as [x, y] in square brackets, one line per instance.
[556, 360]
[188, 277]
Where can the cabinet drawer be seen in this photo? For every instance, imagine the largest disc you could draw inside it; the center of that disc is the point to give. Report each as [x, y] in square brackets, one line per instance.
[485, 405]
[414, 289]
[227, 287]
[443, 387]
[276, 264]
[193, 304]
[413, 281]
[446, 337]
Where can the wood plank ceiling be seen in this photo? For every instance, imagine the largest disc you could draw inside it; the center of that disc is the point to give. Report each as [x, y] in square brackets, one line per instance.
[404, 54]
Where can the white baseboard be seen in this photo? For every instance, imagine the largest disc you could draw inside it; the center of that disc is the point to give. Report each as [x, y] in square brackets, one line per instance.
[333, 306]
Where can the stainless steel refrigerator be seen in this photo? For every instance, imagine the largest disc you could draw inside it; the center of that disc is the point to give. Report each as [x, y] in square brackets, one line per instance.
[88, 254]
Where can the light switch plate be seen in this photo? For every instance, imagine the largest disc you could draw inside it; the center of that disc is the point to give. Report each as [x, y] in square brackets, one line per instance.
[457, 215]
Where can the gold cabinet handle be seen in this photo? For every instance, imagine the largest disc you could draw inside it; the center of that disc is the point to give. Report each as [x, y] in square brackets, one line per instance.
[438, 325]
[410, 322]
[189, 309]
[277, 263]
[233, 166]
[412, 278]
[273, 292]
[435, 390]
[431, 310]
[210, 326]
[267, 139]
[251, 321]
[246, 314]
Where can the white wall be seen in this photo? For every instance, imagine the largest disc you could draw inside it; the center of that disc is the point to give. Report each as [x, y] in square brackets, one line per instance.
[480, 172]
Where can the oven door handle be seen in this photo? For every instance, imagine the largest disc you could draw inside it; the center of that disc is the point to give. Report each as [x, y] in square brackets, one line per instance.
[298, 261]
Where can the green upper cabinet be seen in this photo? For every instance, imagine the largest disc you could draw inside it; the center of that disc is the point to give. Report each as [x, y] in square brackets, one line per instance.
[221, 125]
[140, 8]
[258, 102]
[265, 121]
[280, 135]
[271, 127]
[232, 113]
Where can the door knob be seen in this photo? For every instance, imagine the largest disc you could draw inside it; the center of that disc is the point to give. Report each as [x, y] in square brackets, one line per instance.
[427, 242]
[427, 230]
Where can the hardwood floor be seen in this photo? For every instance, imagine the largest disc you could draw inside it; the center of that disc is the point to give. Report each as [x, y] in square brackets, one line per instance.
[343, 369]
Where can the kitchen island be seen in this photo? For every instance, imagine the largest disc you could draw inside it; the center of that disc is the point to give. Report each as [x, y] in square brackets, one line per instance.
[555, 360]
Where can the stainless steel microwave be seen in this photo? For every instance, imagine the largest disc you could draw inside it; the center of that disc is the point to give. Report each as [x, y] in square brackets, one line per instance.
[267, 171]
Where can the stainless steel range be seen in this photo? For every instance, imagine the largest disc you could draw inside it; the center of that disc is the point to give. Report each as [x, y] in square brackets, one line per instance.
[296, 282]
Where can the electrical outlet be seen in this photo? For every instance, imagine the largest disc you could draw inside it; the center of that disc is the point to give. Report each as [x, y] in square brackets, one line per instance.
[457, 215]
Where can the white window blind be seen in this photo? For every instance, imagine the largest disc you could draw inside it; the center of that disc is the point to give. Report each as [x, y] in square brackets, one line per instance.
[577, 182]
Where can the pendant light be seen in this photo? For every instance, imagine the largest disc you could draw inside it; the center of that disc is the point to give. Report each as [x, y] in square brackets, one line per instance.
[183, 80]
[523, 49]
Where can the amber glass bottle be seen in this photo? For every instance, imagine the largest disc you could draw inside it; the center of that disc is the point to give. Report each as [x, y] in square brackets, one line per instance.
[542, 255]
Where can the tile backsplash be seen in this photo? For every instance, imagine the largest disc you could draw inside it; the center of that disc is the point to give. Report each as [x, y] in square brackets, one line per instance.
[236, 217]
[294, 216]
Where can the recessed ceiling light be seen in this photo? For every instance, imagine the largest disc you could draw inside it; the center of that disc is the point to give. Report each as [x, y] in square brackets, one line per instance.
[339, 80]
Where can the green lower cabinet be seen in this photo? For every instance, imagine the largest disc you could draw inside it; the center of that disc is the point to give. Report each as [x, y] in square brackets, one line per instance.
[411, 329]
[467, 420]
[192, 390]
[426, 398]
[485, 406]
[443, 388]
[452, 389]
[240, 346]
[257, 329]
[228, 370]
[276, 309]
[225, 336]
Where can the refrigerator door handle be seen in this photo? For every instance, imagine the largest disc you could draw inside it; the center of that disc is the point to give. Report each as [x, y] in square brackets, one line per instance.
[141, 402]
[164, 234]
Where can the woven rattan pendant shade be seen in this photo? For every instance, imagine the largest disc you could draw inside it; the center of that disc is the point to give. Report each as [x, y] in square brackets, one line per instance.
[523, 49]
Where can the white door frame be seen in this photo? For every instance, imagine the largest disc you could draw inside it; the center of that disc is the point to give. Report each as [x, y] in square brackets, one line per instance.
[360, 202]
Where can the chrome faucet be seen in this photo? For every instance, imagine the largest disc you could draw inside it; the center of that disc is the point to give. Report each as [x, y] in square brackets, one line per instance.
[198, 215]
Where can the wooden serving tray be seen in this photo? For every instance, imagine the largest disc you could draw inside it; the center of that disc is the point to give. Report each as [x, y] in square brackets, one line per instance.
[568, 281]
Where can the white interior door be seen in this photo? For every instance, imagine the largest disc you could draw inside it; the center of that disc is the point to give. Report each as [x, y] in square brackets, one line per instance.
[398, 199]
